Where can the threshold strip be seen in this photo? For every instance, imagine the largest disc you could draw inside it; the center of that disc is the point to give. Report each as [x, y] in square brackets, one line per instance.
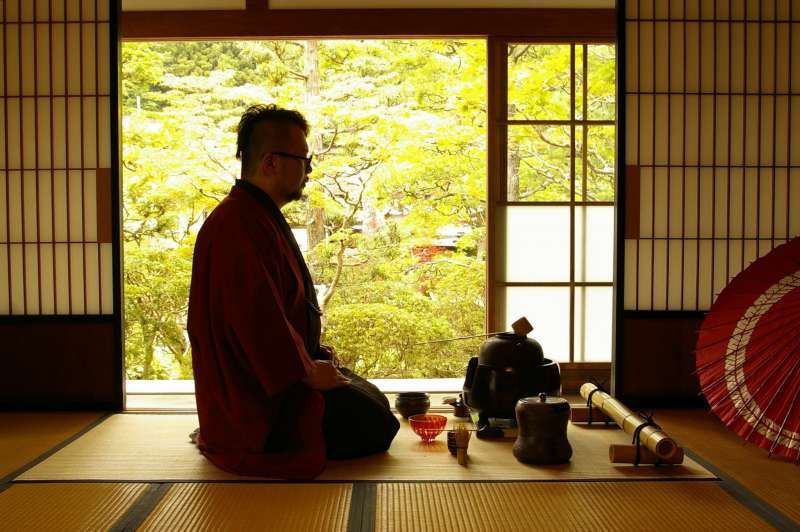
[363, 499]
[6, 481]
[745, 497]
[160, 412]
[140, 510]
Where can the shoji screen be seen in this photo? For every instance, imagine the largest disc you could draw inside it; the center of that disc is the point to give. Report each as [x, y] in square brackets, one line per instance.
[712, 144]
[60, 321]
[55, 157]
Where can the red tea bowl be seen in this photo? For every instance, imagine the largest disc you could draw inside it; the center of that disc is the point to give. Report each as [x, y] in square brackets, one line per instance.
[427, 426]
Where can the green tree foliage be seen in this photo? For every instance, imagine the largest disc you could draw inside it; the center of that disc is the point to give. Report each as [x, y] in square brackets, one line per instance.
[395, 210]
[398, 130]
[540, 88]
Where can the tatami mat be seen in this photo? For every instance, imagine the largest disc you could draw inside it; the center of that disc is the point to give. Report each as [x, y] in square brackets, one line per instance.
[561, 506]
[142, 447]
[26, 435]
[290, 507]
[772, 479]
[410, 459]
[65, 506]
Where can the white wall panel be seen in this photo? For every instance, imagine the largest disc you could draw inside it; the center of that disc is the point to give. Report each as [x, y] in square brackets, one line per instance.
[675, 276]
[92, 264]
[181, 5]
[676, 195]
[62, 263]
[4, 287]
[3, 201]
[90, 205]
[44, 205]
[60, 203]
[17, 266]
[376, 4]
[29, 217]
[75, 205]
[14, 209]
[30, 256]
[43, 133]
[28, 132]
[106, 280]
[73, 9]
[58, 64]
[76, 278]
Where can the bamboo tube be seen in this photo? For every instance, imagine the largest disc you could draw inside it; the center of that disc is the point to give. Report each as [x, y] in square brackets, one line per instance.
[626, 454]
[651, 437]
[462, 442]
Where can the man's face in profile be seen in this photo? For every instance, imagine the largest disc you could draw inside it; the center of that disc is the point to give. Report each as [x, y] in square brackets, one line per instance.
[295, 170]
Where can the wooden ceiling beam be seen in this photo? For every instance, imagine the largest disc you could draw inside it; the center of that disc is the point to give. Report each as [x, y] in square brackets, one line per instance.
[256, 5]
[553, 24]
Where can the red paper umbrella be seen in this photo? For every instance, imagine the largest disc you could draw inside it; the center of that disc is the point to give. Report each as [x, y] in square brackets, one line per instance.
[748, 353]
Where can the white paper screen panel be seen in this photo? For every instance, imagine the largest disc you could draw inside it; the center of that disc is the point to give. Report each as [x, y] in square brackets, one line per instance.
[452, 4]
[55, 154]
[183, 5]
[713, 138]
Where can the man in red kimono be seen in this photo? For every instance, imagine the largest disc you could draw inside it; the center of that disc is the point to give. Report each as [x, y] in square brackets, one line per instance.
[270, 399]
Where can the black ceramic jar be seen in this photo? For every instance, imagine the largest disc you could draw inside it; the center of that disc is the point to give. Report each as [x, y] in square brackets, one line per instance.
[542, 437]
[412, 403]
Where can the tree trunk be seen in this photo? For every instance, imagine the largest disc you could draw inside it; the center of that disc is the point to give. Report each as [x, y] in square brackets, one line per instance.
[316, 215]
[148, 340]
[513, 173]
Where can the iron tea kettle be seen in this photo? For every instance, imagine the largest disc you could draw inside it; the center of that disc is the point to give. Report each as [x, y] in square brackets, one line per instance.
[509, 367]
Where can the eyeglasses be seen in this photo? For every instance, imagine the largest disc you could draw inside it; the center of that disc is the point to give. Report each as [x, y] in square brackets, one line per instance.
[298, 157]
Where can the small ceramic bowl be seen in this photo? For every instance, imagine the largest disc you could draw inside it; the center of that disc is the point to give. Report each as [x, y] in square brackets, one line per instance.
[412, 403]
[427, 426]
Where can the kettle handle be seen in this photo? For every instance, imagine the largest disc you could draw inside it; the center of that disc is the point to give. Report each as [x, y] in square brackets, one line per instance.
[473, 364]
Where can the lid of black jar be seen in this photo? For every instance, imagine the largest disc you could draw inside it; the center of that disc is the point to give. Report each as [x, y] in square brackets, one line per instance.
[543, 401]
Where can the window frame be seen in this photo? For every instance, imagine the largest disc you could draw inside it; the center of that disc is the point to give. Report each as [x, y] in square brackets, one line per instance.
[498, 126]
[499, 27]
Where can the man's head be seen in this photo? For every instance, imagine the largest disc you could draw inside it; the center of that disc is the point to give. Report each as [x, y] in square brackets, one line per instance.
[271, 143]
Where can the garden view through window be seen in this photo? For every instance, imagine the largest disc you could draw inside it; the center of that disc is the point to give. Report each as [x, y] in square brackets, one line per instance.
[394, 221]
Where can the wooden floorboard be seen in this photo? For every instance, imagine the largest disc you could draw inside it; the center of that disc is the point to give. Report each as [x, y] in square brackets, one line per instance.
[773, 480]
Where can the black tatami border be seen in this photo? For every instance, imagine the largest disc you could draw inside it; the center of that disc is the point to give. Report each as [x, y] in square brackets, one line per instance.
[363, 498]
[6, 481]
[141, 508]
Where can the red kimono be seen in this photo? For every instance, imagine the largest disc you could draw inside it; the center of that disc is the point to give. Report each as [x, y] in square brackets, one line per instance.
[249, 329]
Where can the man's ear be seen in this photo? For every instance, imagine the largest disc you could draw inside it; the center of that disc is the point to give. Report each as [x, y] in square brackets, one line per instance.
[267, 163]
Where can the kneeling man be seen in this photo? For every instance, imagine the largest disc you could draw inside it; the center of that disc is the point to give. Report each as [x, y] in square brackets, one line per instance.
[271, 400]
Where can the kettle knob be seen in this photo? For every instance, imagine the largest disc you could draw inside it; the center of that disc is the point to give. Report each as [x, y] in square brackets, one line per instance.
[522, 327]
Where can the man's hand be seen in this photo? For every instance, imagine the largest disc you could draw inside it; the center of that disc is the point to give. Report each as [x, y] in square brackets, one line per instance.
[330, 354]
[324, 376]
